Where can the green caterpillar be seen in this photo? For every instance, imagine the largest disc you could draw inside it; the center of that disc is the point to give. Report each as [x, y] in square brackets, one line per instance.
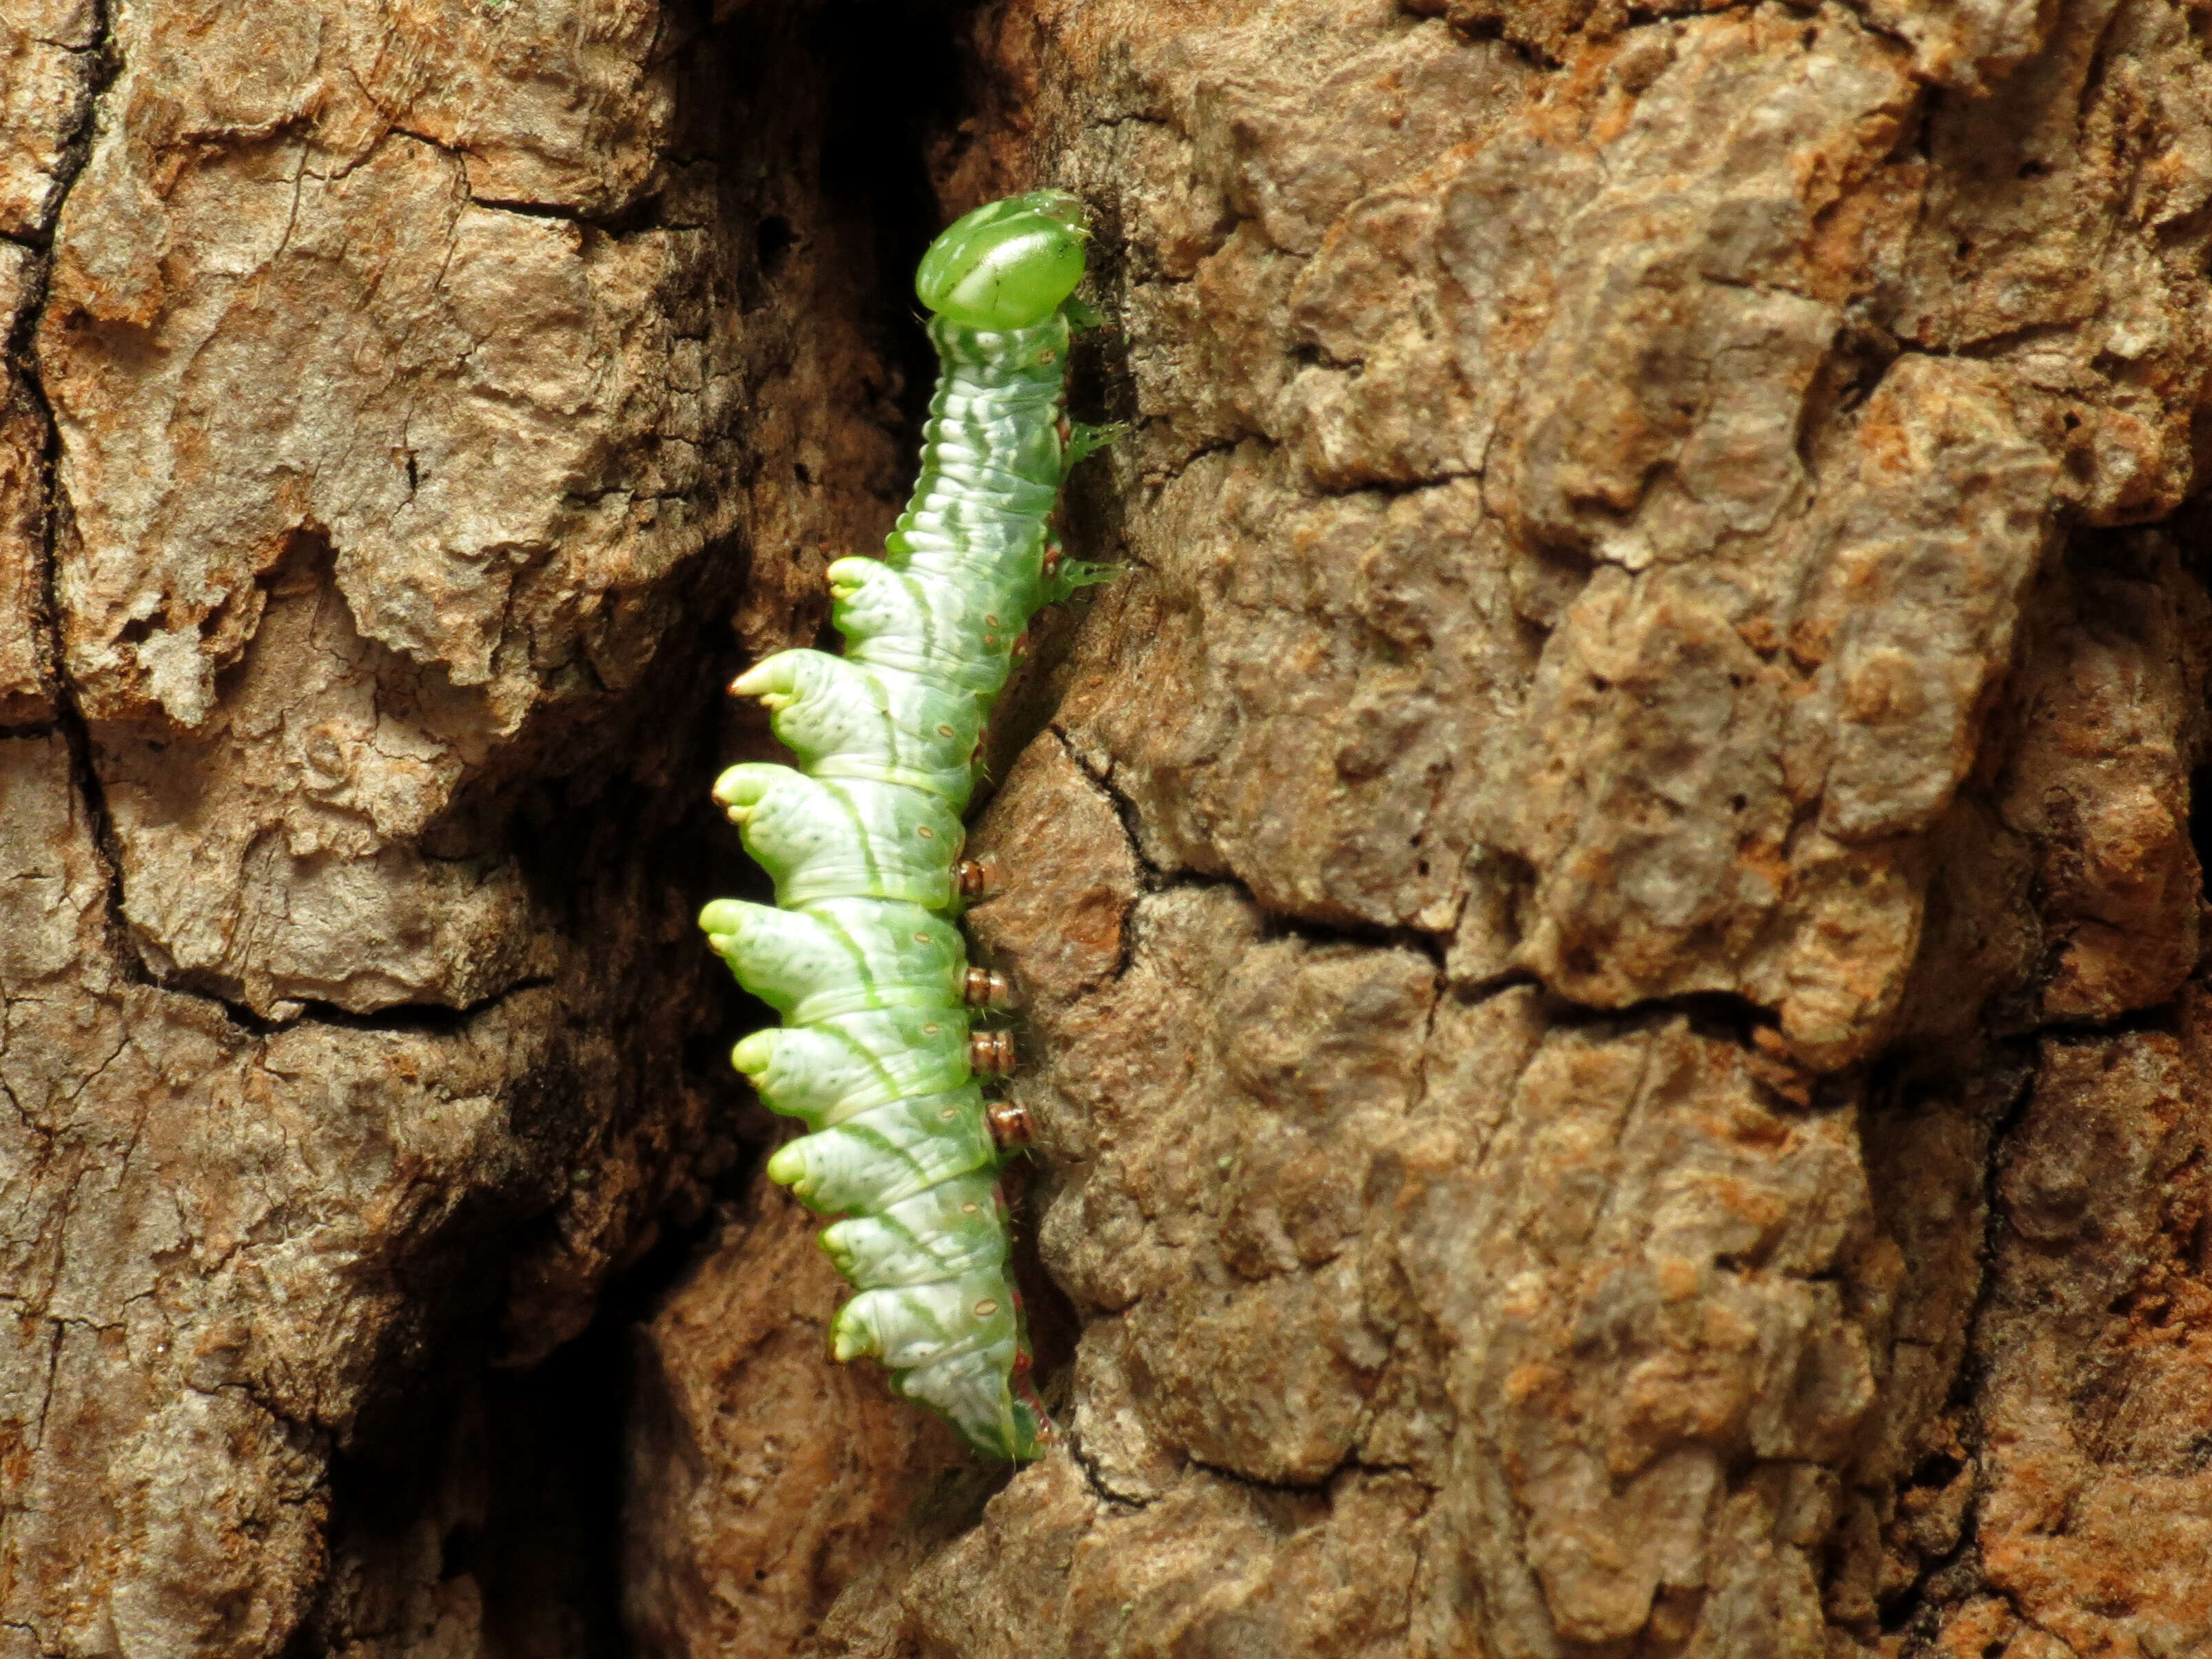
[878, 1053]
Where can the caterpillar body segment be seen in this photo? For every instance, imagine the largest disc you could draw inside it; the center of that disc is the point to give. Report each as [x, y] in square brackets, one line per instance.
[835, 1067]
[879, 1054]
[823, 838]
[867, 1164]
[895, 619]
[843, 720]
[915, 1325]
[950, 1229]
[840, 956]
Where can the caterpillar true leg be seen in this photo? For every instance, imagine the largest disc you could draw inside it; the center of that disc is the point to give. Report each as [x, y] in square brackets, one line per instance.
[877, 1053]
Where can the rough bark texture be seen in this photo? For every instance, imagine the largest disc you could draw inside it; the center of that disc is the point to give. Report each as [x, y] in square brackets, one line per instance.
[1608, 903]
[393, 387]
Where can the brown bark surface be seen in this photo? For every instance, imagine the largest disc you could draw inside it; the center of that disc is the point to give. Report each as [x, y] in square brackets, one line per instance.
[1611, 936]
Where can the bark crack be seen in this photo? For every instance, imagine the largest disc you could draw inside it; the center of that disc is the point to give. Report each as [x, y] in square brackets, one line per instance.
[69, 713]
[400, 1017]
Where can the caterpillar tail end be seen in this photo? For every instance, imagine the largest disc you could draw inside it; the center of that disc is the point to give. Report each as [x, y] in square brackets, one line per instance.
[1034, 1435]
[1034, 1432]
[1019, 1432]
[977, 1378]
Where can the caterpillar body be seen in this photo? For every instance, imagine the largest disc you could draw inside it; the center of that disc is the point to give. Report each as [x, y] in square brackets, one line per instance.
[879, 1054]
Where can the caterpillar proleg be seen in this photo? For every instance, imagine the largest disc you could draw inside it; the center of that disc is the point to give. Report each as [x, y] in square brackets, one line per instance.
[879, 1054]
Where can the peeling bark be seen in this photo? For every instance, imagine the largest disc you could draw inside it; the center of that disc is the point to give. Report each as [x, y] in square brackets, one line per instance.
[1607, 905]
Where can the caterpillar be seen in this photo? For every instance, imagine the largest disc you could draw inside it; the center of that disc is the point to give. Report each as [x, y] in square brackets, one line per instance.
[881, 1053]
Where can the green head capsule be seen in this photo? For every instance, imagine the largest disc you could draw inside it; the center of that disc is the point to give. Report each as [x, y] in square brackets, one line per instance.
[1008, 264]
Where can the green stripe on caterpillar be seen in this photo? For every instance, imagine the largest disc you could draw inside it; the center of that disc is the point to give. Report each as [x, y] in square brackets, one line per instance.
[878, 1053]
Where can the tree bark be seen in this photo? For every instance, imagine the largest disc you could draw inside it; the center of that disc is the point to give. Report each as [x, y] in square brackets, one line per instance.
[1606, 903]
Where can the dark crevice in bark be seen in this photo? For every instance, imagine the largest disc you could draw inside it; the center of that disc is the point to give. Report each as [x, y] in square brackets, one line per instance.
[2015, 1048]
[1149, 876]
[1915, 1617]
[1495, 26]
[643, 215]
[1648, 16]
[69, 716]
[1713, 1013]
[1318, 1487]
[1095, 1479]
[1473, 991]
[1348, 931]
[522, 1486]
[431, 1017]
[1916, 1613]
[544, 1446]
[2200, 816]
[1730, 1018]
[77, 149]
[896, 80]
[2165, 1019]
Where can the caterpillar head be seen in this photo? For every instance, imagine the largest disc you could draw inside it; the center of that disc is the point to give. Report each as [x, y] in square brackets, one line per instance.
[1009, 264]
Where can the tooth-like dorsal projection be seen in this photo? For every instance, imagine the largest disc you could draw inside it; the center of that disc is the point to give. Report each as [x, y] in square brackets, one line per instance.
[863, 844]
